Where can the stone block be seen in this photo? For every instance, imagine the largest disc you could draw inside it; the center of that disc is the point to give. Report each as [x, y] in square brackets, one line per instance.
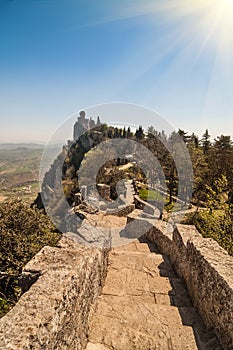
[53, 313]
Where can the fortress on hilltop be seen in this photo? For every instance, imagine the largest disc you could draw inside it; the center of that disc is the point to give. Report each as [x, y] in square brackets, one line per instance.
[83, 124]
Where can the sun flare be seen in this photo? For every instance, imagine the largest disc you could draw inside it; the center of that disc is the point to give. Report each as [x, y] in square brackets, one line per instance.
[216, 24]
[212, 20]
[200, 33]
[223, 9]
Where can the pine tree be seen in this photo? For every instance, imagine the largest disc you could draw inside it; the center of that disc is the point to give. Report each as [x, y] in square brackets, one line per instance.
[128, 133]
[205, 142]
[139, 133]
[183, 135]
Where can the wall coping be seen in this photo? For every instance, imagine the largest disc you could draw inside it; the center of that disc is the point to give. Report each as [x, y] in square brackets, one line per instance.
[53, 312]
[206, 269]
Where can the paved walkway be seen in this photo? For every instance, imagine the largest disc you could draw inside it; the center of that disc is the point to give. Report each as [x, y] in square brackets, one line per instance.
[145, 306]
[129, 197]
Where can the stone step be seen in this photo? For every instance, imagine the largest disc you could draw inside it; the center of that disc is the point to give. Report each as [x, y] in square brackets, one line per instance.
[145, 306]
[137, 273]
[136, 246]
[92, 346]
[182, 317]
[122, 323]
[136, 282]
[125, 255]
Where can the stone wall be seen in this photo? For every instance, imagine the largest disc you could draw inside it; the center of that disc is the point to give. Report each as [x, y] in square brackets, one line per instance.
[147, 207]
[61, 285]
[122, 210]
[207, 271]
[104, 191]
[53, 312]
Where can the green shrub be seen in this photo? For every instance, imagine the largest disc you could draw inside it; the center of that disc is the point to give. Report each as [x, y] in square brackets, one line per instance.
[150, 195]
[23, 232]
[216, 224]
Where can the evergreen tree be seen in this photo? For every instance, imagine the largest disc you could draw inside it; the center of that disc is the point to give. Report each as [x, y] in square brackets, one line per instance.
[194, 140]
[116, 133]
[139, 133]
[205, 142]
[151, 130]
[110, 133]
[223, 142]
[183, 135]
[129, 134]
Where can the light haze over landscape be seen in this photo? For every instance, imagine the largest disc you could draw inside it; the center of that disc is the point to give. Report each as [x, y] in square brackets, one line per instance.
[59, 57]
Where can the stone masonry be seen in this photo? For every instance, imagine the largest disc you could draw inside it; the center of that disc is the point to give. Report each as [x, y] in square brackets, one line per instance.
[144, 305]
[53, 313]
[82, 125]
[167, 291]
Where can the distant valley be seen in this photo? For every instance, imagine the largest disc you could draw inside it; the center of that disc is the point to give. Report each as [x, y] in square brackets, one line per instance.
[10, 146]
[19, 171]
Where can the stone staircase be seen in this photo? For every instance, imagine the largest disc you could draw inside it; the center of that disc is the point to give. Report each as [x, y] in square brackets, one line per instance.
[145, 306]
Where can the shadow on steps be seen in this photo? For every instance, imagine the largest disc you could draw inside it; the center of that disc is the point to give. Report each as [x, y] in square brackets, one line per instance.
[179, 297]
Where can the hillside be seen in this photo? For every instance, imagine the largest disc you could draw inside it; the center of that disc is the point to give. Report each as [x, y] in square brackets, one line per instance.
[19, 172]
[85, 164]
[11, 146]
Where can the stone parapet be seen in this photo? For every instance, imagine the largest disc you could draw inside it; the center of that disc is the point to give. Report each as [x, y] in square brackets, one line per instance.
[61, 285]
[206, 269]
[147, 207]
[208, 275]
[54, 310]
[104, 191]
[121, 210]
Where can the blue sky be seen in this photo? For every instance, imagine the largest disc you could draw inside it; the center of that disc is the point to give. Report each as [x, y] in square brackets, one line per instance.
[60, 56]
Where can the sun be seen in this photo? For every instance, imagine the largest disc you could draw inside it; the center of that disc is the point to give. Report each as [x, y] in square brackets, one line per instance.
[228, 3]
[219, 21]
[212, 20]
[200, 34]
[222, 8]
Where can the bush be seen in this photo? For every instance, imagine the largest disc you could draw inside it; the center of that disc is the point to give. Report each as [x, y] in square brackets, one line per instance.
[150, 195]
[23, 232]
[216, 224]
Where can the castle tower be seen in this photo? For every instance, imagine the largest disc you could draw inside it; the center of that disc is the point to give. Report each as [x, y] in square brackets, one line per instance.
[82, 125]
[91, 123]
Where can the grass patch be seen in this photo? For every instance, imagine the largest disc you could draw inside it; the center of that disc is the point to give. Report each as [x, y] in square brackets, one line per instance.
[150, 195]
[175, 207]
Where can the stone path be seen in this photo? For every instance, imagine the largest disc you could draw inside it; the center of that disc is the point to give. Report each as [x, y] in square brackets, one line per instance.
[129, 198]
[145, 306]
